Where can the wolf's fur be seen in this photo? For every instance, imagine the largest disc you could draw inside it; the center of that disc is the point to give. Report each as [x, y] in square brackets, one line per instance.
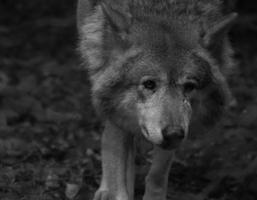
[123, 43]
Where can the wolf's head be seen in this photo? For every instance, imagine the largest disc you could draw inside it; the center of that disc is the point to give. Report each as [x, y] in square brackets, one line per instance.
[155, 73]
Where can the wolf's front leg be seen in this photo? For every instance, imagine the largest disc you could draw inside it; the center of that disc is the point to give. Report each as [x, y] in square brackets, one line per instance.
[117, 165]
[157, 178]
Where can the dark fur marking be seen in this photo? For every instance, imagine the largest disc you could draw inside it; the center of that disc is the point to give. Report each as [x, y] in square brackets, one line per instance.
[203, 71]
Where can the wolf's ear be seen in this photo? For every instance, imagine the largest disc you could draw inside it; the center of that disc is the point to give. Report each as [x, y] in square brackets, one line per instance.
[118, 18]
[217, 32]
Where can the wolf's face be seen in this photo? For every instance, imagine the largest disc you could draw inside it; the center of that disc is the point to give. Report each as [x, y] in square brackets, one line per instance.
[153, 77]
[160, 89]
[165, 91]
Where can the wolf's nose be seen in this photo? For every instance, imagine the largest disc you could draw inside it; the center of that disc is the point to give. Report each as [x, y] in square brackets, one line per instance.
[173, 134]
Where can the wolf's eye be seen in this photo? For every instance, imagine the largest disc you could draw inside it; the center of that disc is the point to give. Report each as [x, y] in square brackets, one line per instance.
[189, 86]
[149, 84]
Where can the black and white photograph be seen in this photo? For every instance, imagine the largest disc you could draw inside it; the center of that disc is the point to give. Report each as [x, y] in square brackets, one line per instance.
[128, 100]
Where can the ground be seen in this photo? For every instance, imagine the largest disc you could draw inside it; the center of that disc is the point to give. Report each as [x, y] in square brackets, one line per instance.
[49, 134]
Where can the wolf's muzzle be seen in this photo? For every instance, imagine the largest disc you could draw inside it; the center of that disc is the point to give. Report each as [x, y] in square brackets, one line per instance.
[172, 137]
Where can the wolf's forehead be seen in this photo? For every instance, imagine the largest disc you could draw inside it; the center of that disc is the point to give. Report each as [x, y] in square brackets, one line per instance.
[165, 39]
[166, 49]
[149, 64]
[163, 48]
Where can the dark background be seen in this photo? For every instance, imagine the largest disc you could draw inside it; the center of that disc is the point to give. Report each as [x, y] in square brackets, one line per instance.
[49, 135]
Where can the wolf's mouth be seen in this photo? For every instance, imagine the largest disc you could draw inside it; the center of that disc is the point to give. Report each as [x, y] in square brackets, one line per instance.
[164, 143]
[157, 138]
[153, 137]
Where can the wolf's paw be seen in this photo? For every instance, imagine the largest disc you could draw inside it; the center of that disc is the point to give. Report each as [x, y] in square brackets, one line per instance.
[103, 195]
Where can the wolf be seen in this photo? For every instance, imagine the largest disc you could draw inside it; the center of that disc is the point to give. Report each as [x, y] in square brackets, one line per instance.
[156, 67]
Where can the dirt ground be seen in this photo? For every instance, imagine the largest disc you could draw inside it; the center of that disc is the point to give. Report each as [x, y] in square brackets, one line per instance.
[49, 135]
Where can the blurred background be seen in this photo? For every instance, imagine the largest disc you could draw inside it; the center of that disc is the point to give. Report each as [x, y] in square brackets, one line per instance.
[49, 135]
